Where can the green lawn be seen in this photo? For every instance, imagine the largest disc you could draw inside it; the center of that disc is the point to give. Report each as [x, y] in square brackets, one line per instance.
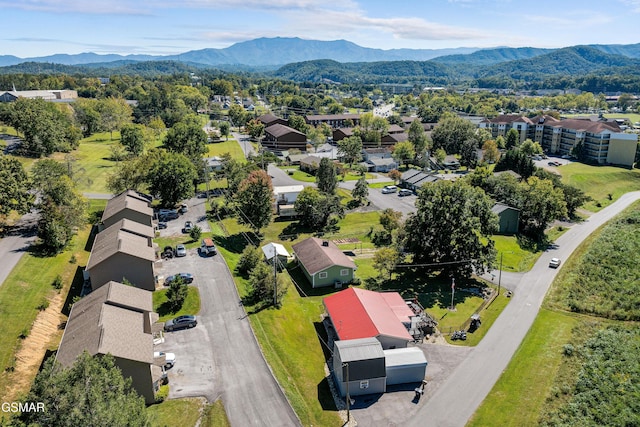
[231, 146]
[298, 175]
[167, 413]
[191, 304]
[381, 184]
[514, 258]
[600, 181]
[353, 176]
[518, 396]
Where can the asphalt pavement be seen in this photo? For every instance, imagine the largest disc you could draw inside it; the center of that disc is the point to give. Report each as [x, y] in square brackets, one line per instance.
[16, 242]
[459, 397]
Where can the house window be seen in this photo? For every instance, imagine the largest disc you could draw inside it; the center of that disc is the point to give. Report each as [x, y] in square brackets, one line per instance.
[344, 272]
[364, 384]
[323, 275]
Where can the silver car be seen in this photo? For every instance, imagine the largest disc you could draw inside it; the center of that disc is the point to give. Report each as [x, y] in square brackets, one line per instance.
[180, 322]
[181, 250]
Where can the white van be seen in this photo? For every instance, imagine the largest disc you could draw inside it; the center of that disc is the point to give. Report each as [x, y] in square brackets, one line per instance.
[389, 189]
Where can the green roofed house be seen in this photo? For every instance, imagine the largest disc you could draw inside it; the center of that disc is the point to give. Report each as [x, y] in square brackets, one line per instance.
[323, 263]
[508, 218]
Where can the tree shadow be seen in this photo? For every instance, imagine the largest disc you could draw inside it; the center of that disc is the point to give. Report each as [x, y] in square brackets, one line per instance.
[234, 243]
[75, 291]
[304, 287]
[532, 244]
[293, 231]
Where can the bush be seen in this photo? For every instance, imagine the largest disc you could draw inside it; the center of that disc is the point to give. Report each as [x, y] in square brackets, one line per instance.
[57, 282]
[162, 394]
[195, 233]
[251, 256]
[43, 305]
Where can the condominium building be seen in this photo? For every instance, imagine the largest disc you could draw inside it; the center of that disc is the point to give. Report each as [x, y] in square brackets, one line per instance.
[602, 142]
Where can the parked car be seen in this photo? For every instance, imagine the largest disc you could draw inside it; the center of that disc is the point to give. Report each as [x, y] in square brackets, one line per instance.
[184, 208]
[181, 251]
[188, 226]
[169, 358]
[554, 263]
[168, 252]
[207, 247]
[387, 189]
[186, 277]
[162, 225]
[405, 192]
[180, 322]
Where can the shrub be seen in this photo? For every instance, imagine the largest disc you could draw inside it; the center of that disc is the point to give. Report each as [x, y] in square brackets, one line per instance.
[195, 233]
[43, 305]
[162, 394]
[250, 257]
[73, 259]
[57, 282]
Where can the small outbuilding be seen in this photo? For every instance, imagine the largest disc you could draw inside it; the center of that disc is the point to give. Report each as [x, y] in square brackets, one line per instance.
[405, 365]
[359, 366]
[276, 249]
[508, 218]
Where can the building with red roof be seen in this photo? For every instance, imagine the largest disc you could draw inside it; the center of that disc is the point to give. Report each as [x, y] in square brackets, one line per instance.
[358, 313]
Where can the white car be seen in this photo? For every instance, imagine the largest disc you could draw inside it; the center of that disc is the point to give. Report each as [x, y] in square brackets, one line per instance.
[181, 251]
[387, 189]
[169, 358]
[554, 263]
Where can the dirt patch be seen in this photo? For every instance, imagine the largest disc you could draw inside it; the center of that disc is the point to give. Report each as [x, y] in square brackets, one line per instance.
[44, 331]
[346, 240]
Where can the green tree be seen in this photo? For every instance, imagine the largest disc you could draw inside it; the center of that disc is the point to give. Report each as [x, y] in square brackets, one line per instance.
[395, 175]
[417, 137]
[451, 132]
[574, 198]
[224, 129]
[326, 178]
[315, 208]
[469, 153]
[171, 178]
[92, 392]
[234, 171]
[177, 293]
[114, 113]
[529, 148]
[87, 116]
[361, 190]
[255, 200]
[261, 285]
[187, 137]
[512, 139]
[501, 143]
[133, 138]
[195, 233]
[132, 174]
[452, 227]
[237, 115]
[14, 188]
[390, 219]
[251, 256]
[350, 149]
[540, 203]
[298, 123]
[385, 261]
[403, 152]
[440, 155]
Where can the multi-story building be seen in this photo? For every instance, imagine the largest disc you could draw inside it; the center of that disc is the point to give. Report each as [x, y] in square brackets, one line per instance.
[602, 142]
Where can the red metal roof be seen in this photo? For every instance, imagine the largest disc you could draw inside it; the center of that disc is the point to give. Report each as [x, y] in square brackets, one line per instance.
[359, 313]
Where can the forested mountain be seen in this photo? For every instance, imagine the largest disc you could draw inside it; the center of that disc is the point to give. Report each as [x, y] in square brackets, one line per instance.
[493, 56]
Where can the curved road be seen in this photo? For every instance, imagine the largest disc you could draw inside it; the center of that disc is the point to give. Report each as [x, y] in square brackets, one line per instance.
[457, 400]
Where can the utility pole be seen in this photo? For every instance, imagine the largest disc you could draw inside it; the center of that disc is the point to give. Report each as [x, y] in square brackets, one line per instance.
[500, 272]
[453, 291]
[275, 277]
[348, 397]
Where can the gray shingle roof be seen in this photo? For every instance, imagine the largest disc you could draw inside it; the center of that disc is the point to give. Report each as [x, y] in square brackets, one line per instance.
[315, 257]
[113, 240]
[126, 201]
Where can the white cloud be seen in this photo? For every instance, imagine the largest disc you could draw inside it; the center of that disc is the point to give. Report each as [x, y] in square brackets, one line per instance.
[115, 7]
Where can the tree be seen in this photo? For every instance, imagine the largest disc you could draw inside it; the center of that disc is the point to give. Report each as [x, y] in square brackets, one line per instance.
[326, 178]
[512, 139]
[451, 132]
[224, 129]
[403, 152]
[234, 171]
[516, 161]
[255, 128]
[385, 261]
[395, 175]
[14, 188]
[132, 174]
[452, 228]
[315, 208]
[490, 153]
[574, 198]
[195, 233]
[262, 282]
[133, 138]
[361, 190]
[92, 392]
[237, 115]
[187, 137]
[255, 200]
[171, 178]
[251, 256]
[529, 148]
[390, 219]
[87, 116]
[417, 137]
[177, 293]
[350, 149]
[114, 113]
[500, 142]
[540, 203]
[440, 155]
[298, 123]
[469, 153]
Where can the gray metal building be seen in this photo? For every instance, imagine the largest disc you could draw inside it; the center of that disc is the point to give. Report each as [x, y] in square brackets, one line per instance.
[362, 362]
[405, 365]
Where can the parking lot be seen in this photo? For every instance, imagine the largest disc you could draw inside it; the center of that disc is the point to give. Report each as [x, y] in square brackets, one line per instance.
[196, 213]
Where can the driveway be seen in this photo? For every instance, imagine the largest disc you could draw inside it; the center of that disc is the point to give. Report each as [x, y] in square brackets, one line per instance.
[16, 242]
[470, 383]
[197, 214]
[220, 357]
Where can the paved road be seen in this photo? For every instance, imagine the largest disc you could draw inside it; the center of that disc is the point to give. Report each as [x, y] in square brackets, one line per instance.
[245, 144]
[456, 401]
[16, 242]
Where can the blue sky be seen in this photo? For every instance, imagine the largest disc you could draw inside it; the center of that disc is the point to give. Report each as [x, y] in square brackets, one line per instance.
[163, 27]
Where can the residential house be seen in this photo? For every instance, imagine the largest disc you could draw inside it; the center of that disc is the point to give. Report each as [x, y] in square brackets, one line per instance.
[214, 164]
[280, 137]
[115, 319]
[128, 204]
[136, 228]
[380, 164]
[508, 218]
[358, 313]
[323, 263]
[413, 179]
[310, 164]
[601, 142]
[117, 255]
[285, 198]
[390, 139]
[379, 153]
[342, 133]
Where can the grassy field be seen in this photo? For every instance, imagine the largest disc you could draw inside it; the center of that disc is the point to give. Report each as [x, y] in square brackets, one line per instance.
[518, 396]
[23, 291]
[514, 257]
[167, 413]
[600, 181]
[231, 146]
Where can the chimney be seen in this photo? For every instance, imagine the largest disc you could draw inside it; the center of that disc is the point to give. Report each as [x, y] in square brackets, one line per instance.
[325, 243]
